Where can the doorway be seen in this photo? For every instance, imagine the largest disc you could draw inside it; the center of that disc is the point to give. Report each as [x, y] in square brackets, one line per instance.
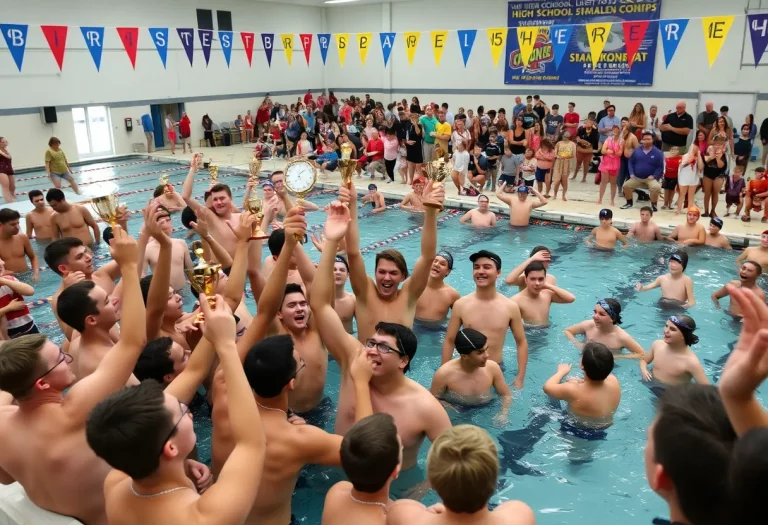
[159, 115]
[93, 132]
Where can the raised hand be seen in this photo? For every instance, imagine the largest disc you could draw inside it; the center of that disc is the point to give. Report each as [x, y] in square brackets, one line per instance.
[151, 215]
[542, 256]
[72, 278]
[219, 327]
[433, 193]
[201, 226]
[295, 225]
[124, 248]
[361, 368]
[563, 369]
[337, 222]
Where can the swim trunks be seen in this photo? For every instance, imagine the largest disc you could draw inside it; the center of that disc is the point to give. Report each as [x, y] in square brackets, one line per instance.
[322, 415]
[590, 434]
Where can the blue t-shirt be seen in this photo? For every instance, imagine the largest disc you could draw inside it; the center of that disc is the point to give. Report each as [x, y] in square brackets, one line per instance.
[146, 123]
[608, 122]
[330, 156]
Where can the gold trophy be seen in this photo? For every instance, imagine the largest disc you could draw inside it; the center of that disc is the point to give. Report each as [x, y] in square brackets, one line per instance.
[107, 208]
[347, 165]
[254, 168]
[299, 179]
[255, 205]
[437, 172]
[164, 181]
[203, 277]
[213, 170]
[197, 160]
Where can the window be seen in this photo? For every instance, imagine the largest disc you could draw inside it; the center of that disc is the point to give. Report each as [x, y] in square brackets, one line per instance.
[93, 132]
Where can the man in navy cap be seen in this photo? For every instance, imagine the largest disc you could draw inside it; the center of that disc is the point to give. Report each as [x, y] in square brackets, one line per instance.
[520, 207]
[714, 237]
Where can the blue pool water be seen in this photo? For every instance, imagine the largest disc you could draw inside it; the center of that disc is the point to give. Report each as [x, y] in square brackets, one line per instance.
[565, 479]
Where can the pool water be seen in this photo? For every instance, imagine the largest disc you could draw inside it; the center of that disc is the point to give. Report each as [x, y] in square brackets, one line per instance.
[564, 478]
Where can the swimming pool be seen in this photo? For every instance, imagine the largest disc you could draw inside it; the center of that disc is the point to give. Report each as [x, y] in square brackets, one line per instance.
[565, 479]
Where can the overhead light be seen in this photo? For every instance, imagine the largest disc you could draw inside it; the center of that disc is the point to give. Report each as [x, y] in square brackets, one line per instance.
[339, 1]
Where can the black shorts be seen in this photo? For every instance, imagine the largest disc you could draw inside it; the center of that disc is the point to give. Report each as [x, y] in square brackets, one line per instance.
[668, 184]
[510, 180]
[732, 200]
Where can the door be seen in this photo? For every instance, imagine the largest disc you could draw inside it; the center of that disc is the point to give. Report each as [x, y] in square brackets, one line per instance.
[93, 132]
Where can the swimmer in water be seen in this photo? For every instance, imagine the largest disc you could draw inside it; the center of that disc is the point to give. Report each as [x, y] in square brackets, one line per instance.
[645, 230]
[520, 207]
[540, 254]
[674, 363]
[606, 236]
[748, 274]
[691, 233]
[375, 198]
[480, 216]
[675, 285]
[437, 298]
[714, 237]
[468, 379]
[595, 398]
[603, 328]
[538, 296]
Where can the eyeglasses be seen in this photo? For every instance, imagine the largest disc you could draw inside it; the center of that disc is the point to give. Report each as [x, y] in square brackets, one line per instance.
[301, 367]
[62, 357]
[383, 348]
[184, 411]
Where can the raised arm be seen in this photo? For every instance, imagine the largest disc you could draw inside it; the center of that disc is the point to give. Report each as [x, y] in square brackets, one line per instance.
[560, 295]
[543, 201]
[184, 386]
[554, 388]
[186, 189]
[157, 296]
[201, 227]
[518, 331]
[235, 288]
[305, 266]
[503, 197]
[417, 282]
[357, 276]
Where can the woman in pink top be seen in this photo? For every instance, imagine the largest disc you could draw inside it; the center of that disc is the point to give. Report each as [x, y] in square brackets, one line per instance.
[545, 157]
[391, 147]
[535, 141]
[609, 165]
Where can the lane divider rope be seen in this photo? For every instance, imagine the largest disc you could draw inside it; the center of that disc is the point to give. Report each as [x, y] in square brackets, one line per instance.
[90, 169]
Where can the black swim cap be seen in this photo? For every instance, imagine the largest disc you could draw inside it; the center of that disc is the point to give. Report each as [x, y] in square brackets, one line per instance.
[469, 340]
[187, 216]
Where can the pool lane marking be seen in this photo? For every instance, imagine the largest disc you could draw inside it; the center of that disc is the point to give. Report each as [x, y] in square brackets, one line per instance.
[91, 169]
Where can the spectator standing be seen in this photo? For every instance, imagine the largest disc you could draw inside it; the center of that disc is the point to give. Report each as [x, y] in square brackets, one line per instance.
[428, 124]
[553, 124]
[185, 130]
[653, 125]
[676, 128]
[170, 126]
[638, 121]
[519, 107]
[605, 125]
[208, 129]
[391, 150]
[448, 115]
[571, 120]
[724, 113]
[586, 144]
[7, 178]
[603, 112]
[610, 163]
[149, 130]
[308, 97]
[707, 118]
[248, 123]
[57, 167]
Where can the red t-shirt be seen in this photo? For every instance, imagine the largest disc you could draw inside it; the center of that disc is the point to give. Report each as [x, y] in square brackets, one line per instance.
[275, 134]
[376, 145]
[184, 127]
[757, 186]
[307, 98]
[572, 121]
[262, 115]
[18, 318]
[671, 165]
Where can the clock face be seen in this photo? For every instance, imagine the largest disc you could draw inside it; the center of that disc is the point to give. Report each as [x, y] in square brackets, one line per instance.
[300, 177]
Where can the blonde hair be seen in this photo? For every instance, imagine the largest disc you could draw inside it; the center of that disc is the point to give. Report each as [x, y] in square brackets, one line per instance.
[463, 466]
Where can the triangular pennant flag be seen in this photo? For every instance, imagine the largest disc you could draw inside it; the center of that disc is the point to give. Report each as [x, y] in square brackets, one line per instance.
[387, 41]
[324, 41]
[634, 32]
[268, 41]
[187, 37]
[206, 41]
[758, 32]
[559, 36]
[16, 39]
[438, 39]
[287, 40]
[57, 41]
[342, 41]
[671, 33]
[159, 36]
[526, 37]
[496, 38]
[716, 28]
[597, 37]
[94, 41]
[225, 39]
[130, 39]
[466, 42]
[306, 45]
[411, 43]
[248, 40]
[363, 45]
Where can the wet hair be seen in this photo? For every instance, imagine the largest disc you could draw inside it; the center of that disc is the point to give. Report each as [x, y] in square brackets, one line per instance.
[406, 339]
[20, 364]
[128, 429]
[159, 191]
[8, 215]
[395, 257]
[597, 361]
[747, 477]
[693, 440]
[221, 187]
[615, 307]
[688, 336]
[292, 288]
[535, 266]
[468, 340]
[757, 266]
[54, 194]
[58, 250]
[648, 209]
[270, 365]
[370, 452]
[276, 241]
[537, 249]
[75, 304]
[155, 360]
[34, 193]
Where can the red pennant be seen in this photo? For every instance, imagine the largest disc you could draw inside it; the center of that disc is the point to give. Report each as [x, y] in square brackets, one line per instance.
[634, 32]
[306, 44]
[57, 41]
[248, 40]
[130, 38]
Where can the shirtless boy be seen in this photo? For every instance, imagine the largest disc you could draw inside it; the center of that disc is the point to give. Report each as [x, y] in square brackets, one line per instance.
[38, 220]
[748, 274]
[149, 248]
[344, 302]
[594, 399]
[759, 254]
[375, 199]
[674, 363]
[606, 236]
[438, 298]
[166, 196]
[468, 379]
[520, 207]
[478, 469]
[15, 246]
[714, 237]
[675, 285]
[537, 297]
[71, 220]
[480, 216]
[603, 328]
[490, 313]
[645, 230]
[691, 233]
[538, 254]
[414, 201]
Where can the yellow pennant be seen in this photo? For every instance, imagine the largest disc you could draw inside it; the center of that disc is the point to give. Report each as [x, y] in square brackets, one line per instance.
[597, 37]
[496, 38]
[411, 43]
[715, 30]
[438, 39]
[287, 40]
[526, 38]
[342, 41]
[363, 44]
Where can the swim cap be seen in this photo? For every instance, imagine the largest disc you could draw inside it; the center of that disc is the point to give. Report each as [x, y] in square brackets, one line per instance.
[187, 216]
[717, 222]
[448, 258]
[343, 261]
[418, 180]
[522, 189]
[372, 187]
[267, 183]
[107, 235]
[680, 257]
[469, 340]
[605, 213]
[694, 209]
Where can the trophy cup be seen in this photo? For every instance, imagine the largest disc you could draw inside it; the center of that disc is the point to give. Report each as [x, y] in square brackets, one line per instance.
[256, 206]
[213, 170]
[254, 168]
[107, 208]
[347, 165]
[164, 181]
[203, 277]
[300, 177]
[437, 171]
[197, 160]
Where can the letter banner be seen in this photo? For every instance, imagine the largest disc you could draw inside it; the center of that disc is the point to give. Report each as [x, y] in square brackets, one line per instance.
[466, 42]
[324, 39]
[57, 41]
[287, 40]
[387, 41]
[342, 41]
[671, 33]
[411, 43]
[187, 37]
[206, 41]
[526, 37]
[634, 32]
[159, 36]
[438, 39]
[16, 39]
[716, 28]
[496, 38]
[94, 41]
[306, 45]
[758, 33]
[565, 55]
[248, 40]
[268, 41]
[130, 38]
[225, 39]
[363, 45]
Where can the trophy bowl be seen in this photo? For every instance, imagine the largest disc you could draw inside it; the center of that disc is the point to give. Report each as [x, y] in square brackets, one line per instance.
[256, 206]
[197, 160]
[106, 207]
[213, 170]
[164, 182]
[437, 172]
[254, 168]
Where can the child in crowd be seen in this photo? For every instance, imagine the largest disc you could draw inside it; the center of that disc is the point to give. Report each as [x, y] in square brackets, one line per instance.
[674, 361]
[669, 184]
[735, 189]
[565, 150]
[460, 166]
[606, 236]
[510, 166]
[528, 168]
[757, 192]
[676, 287]
[545, 157]
[15, 319]
[492, 155]
[401, 165]
[476, 171]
